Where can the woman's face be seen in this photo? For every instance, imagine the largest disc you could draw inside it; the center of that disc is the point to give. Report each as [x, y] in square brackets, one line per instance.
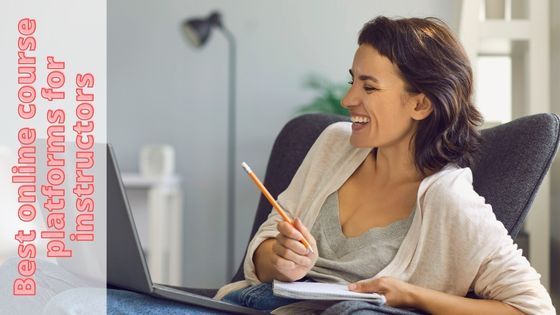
[382, 111]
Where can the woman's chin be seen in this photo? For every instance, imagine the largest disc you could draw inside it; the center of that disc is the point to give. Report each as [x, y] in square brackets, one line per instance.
[359, 143]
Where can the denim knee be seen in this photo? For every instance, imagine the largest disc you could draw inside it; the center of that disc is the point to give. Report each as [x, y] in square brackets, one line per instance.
[259, 297]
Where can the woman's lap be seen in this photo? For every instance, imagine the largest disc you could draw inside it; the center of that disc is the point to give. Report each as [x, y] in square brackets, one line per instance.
[58, 296]
[259, 297]
[364, 308]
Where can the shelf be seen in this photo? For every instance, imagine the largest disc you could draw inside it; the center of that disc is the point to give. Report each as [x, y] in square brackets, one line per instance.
[136, 180]
[512, 30]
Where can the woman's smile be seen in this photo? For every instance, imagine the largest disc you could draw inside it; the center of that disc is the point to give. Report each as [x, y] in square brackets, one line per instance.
[359, 122]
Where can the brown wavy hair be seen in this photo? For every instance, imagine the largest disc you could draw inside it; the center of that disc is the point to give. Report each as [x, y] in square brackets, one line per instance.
[432, 61]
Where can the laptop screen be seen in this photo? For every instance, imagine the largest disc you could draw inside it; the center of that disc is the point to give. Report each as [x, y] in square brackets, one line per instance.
[126, 265]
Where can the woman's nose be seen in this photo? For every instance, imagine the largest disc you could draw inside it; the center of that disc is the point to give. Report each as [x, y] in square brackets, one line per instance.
[349, 99]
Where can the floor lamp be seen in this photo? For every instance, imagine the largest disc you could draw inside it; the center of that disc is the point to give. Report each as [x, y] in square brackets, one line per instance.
[197, 31]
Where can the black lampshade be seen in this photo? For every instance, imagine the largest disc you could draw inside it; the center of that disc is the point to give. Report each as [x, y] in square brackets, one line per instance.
[197, 30]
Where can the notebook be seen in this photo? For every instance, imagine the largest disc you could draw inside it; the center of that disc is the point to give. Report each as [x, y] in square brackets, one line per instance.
[322, 291]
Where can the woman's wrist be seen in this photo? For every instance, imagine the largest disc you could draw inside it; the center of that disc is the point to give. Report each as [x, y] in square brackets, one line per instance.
[261, 261]
[415, 297]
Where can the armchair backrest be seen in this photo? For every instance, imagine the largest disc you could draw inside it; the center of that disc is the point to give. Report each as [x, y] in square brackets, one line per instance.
[512, 162]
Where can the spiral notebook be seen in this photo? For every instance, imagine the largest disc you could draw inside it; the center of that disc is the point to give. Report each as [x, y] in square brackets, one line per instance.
[322, 291]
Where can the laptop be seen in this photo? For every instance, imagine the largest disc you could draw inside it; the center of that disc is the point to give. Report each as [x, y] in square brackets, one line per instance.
[126, 264]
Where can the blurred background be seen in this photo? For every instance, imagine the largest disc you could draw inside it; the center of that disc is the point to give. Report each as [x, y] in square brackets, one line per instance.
[169, 122]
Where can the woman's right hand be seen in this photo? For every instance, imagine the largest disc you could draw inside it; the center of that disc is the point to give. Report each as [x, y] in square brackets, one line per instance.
[287, 258]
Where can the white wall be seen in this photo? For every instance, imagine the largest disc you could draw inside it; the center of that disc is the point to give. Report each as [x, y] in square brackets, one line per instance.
[163, 90]
[555, 172]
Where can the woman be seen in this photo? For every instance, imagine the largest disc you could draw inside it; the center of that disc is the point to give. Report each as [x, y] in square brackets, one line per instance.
[401, 219]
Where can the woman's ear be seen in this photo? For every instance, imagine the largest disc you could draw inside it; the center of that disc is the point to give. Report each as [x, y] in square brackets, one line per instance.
[422, 108]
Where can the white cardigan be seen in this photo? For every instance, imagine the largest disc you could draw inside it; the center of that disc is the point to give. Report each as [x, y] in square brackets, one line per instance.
[454, 245]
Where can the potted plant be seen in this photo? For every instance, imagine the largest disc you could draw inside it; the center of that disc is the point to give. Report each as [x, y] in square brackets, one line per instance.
[328, 97]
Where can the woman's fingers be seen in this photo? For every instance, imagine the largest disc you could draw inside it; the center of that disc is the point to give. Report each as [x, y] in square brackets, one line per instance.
[304, 231]
[287, 269]
[282, 264]
[289, 230]
[288, 244]
[298, 231]
[367, 285]
[292, 244]
[397, 292]
[287, 253]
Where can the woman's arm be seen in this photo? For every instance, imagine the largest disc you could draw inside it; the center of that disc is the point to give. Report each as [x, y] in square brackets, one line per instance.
[435, 302]
[402, 294]
[263, 266]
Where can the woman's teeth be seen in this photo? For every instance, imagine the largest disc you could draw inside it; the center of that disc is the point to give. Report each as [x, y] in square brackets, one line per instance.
[360, 119]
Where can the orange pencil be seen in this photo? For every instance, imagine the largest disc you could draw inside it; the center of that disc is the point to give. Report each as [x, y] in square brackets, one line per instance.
[273, 202]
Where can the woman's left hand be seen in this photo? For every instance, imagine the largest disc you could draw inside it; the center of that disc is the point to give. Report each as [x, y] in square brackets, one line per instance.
[398, 293]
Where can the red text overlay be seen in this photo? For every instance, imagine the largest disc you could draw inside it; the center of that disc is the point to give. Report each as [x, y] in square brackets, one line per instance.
[50, 96]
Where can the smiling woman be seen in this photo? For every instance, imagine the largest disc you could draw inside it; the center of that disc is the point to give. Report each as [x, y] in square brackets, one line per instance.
[387, 201]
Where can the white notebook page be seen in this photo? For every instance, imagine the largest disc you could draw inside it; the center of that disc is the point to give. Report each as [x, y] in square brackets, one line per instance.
[322, 291]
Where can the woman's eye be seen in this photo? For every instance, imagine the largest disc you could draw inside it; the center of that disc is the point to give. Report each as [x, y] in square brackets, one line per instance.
[368, 89]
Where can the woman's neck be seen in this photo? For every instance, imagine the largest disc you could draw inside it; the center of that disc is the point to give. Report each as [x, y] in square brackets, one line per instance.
[394, 166]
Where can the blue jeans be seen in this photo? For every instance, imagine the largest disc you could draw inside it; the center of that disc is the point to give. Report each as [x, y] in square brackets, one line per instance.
[59, 294]
[259, 297]
[127, 302]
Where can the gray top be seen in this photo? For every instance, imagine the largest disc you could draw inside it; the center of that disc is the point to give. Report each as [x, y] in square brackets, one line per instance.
[348, 259]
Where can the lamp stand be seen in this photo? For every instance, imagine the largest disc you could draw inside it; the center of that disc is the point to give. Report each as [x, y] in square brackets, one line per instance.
[231, 157]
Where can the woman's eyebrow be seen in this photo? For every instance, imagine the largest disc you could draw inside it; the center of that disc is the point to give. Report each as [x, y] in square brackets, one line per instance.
[364, 77]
